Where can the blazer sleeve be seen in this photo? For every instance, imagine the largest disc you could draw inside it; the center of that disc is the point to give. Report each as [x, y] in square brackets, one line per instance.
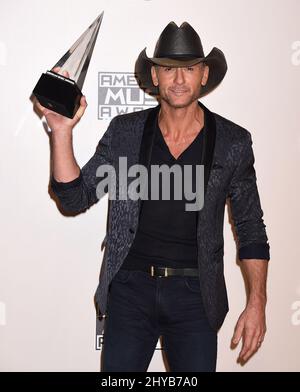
[81, 193]
[246, 207]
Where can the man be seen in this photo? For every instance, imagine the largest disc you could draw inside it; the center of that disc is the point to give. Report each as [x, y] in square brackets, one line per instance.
[162, 270]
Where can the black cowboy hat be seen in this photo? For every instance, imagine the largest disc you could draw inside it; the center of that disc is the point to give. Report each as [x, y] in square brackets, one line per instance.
[180, 47]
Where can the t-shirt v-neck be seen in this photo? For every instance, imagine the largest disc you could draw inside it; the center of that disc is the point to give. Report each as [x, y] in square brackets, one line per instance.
[163, 145]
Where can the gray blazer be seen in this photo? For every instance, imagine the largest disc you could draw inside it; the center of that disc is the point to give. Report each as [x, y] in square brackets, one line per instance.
[229, 173]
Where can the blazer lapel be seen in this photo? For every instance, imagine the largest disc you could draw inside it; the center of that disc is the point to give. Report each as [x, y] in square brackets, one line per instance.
[208, 144]
[147, 143]
[148, 138]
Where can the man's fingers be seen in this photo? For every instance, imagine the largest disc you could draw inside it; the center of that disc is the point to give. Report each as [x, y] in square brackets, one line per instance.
[81, 109]
[56, 69]
[40, 108]
[256, 343]
[238, 332]
[252, 342]
[249, 343]
[253, 348]
[66, 74]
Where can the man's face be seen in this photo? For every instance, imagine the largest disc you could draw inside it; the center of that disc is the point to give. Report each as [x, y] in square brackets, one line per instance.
[179, 87]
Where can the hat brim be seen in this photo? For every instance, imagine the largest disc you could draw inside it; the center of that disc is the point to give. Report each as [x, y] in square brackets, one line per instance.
[215, 60]
[182, 62]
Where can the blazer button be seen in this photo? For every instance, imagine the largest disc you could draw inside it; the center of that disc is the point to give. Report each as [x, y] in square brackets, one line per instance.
[131, 230]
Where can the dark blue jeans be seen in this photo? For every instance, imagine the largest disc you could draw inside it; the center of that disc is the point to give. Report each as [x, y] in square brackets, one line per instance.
[142, 308]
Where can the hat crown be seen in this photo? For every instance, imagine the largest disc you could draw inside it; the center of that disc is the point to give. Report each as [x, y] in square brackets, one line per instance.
[179, 42]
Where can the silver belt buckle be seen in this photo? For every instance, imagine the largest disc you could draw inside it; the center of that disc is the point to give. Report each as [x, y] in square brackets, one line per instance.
[165, 273]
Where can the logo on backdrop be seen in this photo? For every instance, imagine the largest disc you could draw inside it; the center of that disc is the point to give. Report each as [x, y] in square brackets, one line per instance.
[119, 93]
[295, 319]
[296, 53]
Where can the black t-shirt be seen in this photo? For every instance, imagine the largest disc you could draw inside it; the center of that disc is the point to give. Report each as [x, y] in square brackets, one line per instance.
[167, 232]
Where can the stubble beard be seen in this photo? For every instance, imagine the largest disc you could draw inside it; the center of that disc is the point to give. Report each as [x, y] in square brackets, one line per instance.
[172, 102]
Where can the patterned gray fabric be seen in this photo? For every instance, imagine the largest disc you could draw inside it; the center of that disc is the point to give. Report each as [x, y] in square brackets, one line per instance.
[232, 175]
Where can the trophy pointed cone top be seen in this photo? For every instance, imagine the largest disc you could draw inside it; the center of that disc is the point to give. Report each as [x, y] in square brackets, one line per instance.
[77, 59]
[99, 18]
[97, 21]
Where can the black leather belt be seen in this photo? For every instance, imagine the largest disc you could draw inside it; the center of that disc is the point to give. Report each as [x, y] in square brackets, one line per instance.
[167, 271]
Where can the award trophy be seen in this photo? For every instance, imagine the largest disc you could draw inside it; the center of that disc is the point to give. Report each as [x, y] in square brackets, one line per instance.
[60, 93]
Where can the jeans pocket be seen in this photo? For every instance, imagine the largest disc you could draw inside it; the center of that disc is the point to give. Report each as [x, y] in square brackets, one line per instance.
[192, 283]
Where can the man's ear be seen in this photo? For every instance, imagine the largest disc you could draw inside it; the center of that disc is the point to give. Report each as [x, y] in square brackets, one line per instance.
[205, 75]
[154, 76]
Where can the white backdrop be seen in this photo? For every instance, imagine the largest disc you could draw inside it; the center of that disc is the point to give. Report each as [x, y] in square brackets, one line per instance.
[50, 263]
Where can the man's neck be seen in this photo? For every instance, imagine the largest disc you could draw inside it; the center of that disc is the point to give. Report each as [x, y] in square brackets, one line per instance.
[179, 122]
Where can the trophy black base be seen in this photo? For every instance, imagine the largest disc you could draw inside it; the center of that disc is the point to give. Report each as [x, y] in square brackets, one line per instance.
[58, 93]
